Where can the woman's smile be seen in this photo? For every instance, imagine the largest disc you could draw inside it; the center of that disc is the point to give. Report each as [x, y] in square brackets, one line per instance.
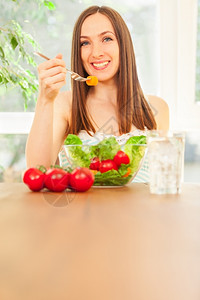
[100, 65]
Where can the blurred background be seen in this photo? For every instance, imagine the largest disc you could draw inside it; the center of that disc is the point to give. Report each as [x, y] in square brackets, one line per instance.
[166, 38]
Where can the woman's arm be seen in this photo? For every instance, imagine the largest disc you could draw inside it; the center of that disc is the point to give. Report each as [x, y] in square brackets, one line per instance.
[160, 111]
[43, 143]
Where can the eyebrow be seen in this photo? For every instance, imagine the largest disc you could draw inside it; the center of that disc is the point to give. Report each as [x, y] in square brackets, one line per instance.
[100, 34]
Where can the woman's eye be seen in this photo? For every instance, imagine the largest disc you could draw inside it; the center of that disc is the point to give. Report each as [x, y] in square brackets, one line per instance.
[107, 39]
[85, 43]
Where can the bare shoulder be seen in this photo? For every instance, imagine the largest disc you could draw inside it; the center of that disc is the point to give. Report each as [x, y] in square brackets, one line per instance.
[160, 110]
[157, 101]
[62, 104]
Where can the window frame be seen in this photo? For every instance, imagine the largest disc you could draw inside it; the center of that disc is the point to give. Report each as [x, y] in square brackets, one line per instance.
[177, 48]
[15, 122]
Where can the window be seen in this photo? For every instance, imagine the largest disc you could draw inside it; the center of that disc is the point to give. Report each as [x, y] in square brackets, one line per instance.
[198, 57]
[167, 48]
[55, 37]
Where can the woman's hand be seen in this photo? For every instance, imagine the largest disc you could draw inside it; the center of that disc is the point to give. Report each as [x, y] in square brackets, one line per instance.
[52, 77]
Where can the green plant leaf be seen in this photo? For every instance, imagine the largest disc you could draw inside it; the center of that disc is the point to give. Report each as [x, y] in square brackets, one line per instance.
[14, 42]
[50, 5]
[17, 46]
[2, 55]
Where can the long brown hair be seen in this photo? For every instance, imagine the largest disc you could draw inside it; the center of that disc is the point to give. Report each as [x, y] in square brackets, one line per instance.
[132, 107]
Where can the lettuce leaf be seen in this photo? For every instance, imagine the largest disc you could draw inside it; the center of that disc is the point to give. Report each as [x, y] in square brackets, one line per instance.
[137, 140]
[135, 152]
[72, 139]
[106, 149]
[78, 156]
[110, 178]
[123, 169]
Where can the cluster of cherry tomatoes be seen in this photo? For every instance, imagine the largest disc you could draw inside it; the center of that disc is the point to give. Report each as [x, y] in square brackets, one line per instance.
[80, 179]
[110, 164]
[57, 179]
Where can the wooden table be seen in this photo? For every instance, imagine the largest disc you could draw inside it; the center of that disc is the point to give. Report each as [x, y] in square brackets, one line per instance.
[116, 244]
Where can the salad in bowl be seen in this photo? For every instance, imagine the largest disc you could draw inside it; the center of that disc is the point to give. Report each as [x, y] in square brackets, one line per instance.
[111, 163]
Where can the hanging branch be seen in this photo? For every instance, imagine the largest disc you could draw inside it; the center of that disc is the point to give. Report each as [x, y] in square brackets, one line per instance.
[16, 59]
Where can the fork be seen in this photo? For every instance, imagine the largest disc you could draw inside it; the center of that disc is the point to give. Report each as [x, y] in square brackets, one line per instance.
[74, 75]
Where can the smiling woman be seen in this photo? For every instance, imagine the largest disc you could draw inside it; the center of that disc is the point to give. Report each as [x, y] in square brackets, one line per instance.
[102, 47]
[106, 51]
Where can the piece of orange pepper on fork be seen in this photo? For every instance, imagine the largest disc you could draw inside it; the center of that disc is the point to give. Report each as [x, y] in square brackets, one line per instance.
[92, 80]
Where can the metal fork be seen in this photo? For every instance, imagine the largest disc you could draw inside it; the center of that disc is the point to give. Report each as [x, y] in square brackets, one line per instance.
[74, 75]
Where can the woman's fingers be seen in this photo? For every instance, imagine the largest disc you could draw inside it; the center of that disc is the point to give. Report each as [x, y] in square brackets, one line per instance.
[55, 79]
[59, 55]
[56, 86]
[54, 62]
[52, 72]
[52, 76]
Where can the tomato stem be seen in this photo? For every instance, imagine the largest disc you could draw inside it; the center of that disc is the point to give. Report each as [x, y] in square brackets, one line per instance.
[42, 168]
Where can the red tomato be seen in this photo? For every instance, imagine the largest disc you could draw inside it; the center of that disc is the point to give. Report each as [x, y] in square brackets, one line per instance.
[56, 180]
[107, 165]
[94, 165]
[81, 179]
[34, 178]
[121, 158]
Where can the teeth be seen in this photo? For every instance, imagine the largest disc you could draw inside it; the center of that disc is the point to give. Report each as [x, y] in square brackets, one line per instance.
[101, 64]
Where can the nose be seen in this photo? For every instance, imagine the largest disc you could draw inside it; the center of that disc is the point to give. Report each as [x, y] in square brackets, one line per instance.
[97, 50]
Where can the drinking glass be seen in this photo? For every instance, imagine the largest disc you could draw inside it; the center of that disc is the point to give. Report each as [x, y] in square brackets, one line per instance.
[166, 161]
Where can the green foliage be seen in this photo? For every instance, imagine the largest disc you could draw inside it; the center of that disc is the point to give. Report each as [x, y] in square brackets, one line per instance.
[106, 149]
[72, 139]
[17, 63]
[49, 5]
[135, 148]
[77, 154]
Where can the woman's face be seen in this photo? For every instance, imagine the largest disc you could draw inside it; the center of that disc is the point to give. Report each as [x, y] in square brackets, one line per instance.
[99, 47]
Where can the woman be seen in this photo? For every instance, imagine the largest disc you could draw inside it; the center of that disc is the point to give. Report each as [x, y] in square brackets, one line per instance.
[101, 46]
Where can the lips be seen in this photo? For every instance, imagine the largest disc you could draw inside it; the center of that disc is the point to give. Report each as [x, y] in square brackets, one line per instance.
[100, 65]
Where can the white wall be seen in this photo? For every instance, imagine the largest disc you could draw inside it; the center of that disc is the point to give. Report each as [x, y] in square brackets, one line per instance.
[178, 33]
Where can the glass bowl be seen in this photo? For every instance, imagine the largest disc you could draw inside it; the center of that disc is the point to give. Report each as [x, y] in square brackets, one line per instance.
[110, 166]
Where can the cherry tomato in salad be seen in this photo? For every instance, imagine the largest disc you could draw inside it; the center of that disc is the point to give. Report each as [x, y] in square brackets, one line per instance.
[95, 163]
[121, 158]
[81, 179]
[107, 165]
[34, 179]
[56, 179]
